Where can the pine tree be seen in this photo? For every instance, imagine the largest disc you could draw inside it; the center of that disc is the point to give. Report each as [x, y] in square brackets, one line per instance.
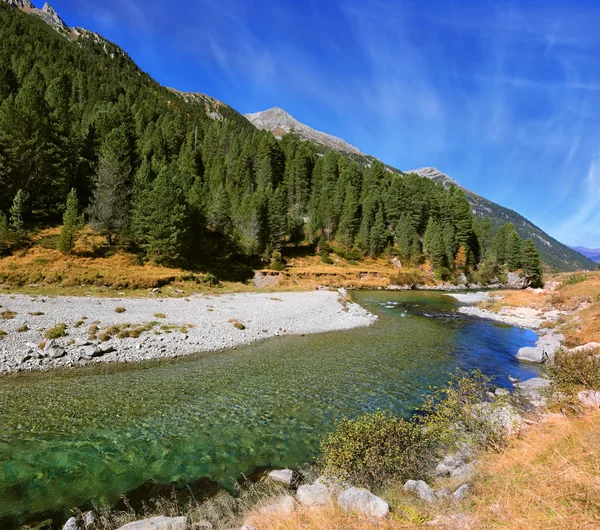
[350, 218]
[514, 250]
[407, 239]
[160, 221]
[450, 245]
[532, 265]
[486, 235]
[16, 215]
[4, 234]
[437, 251]
[109, 210]
[72, 223]
[462, 218]
[277, 219]
[379, 234]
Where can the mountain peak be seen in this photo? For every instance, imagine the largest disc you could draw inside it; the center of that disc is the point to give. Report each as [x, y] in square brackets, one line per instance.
[47, 14]
[280, 122]
[434, 174]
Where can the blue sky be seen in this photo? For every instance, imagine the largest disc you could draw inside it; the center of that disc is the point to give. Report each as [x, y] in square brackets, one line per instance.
[503, 96]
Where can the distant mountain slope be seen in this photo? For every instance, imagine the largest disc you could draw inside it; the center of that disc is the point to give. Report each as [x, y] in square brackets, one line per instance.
[279, 122]
[591, 253]
[557, 255]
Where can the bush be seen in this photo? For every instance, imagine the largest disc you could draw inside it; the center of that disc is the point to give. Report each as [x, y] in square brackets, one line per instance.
[120, 309]
[60, 330]
[573, 371]
[375, 449]
[574, 278]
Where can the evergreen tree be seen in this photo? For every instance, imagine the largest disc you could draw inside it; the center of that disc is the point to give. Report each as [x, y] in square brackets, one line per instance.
[4, 233]
[462, 218]
[514, 250]
[72, 223]
[437, 251]
[486, 235]
[109, 210]
[450, 244]
[407, 239]
[379, 235]
[160, 221]
[277, 219]
[16, 215]
[532, 265]
[349, 220]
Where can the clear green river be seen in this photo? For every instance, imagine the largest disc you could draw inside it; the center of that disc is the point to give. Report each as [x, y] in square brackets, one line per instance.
[70, 438]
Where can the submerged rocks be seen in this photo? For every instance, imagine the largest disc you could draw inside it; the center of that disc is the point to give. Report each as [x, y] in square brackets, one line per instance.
[157, 523]
[363, 501]
[421, 489]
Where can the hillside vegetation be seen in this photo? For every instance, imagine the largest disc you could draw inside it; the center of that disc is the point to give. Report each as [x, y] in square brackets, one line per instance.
[160, 179]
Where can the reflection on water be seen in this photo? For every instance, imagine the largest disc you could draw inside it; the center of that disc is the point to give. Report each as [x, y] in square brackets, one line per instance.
[89, 435]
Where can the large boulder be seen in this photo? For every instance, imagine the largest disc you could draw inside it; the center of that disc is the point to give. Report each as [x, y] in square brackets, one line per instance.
[157, 523]
[533, 391]
[421, 490]
[531, 354]
[514, 281]
[312, 495]
[590, 346]
[363, 501]
[285, 476]
[589, 398]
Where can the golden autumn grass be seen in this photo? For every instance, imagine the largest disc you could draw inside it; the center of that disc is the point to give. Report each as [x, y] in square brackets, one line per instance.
[94, 269]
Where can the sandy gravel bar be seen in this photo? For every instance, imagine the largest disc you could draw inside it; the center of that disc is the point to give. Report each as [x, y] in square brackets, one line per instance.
[171, 326]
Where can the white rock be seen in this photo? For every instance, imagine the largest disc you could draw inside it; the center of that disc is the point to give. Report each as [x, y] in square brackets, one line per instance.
[312, 495]
[532, 354]
[157, 523]
[363, 501]
[285, 476]
[421, 489]
[88, 519]
[71, 524]
[586, 347]
[462, 491]
[589, 398]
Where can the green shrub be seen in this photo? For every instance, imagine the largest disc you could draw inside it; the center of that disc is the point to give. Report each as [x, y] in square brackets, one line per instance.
[454, 414]
[326, 259]
[574, 278]
[120, 310]
[60, 330]
[7, 314]
[23, 328]
[573, 371]
[376, 448]
[2, 333]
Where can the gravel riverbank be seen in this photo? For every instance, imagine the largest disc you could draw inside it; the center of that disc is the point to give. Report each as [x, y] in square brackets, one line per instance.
[134, 329]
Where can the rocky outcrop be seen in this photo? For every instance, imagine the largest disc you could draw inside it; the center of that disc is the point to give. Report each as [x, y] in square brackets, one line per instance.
[544, 350]
[283, 505]
[363, 501]
[533, 391]
[157, 523]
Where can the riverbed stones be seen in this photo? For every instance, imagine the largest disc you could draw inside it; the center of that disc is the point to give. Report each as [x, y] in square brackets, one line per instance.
[363, 501]
[421, 489]
[285, 476]
[312, 495]
[531, 354]
[589, 398]
[157, 523]
[533, 391]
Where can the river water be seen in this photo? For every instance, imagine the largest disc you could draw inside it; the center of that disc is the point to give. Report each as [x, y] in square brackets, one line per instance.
[70, 438]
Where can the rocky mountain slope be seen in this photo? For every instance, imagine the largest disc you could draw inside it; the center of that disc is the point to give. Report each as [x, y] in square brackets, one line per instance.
[591, 253]
[553, 252]
[279, 122]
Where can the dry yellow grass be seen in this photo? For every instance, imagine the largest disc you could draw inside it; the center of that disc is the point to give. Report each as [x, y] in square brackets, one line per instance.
[548, 479]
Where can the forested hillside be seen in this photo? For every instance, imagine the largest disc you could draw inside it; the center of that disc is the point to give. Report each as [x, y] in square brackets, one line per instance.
[157, 176]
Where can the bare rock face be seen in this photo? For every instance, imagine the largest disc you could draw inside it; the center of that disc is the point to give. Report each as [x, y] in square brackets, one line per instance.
[51, 17]
[279, 122]
[20, 4]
